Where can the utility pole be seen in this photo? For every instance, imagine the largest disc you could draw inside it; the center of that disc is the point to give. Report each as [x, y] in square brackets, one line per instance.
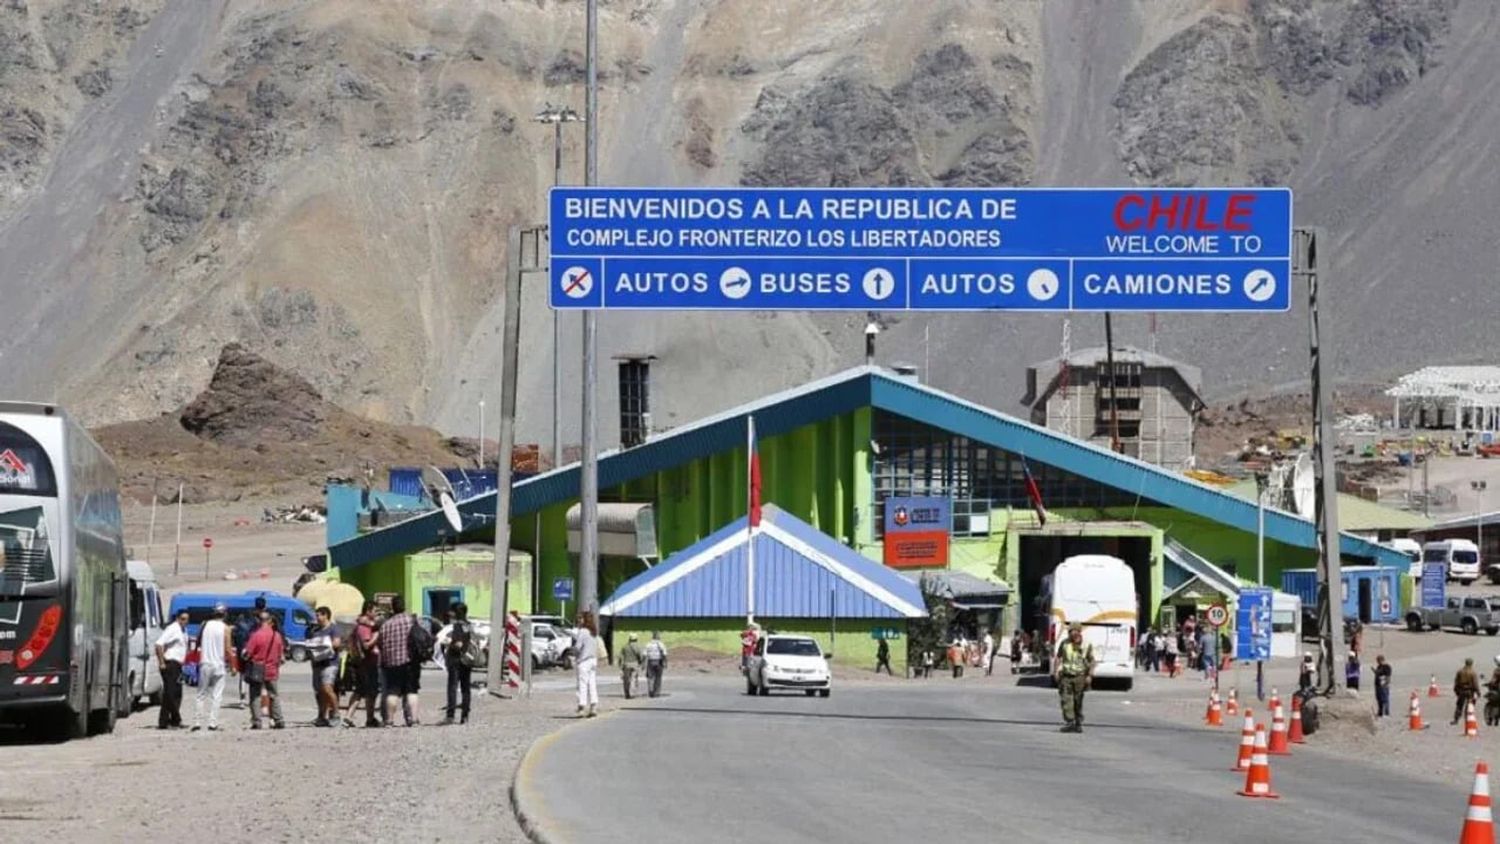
[557, 117]
[1479, 488]
[1326, 519]
[588, 481]
[1109, 357]
[510, 354]
[481, 435]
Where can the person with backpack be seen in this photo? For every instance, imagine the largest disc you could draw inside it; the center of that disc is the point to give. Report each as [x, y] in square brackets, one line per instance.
[362, 663]
[460, 655]
[656, 663]
[400, 667]
[244, 626]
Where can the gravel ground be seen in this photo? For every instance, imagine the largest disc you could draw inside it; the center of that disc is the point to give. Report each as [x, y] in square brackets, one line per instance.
[423, 784]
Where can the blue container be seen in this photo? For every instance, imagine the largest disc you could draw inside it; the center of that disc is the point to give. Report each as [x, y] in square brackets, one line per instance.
[1371, 594]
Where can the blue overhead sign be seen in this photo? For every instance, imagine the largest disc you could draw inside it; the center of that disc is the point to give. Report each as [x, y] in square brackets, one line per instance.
[1252, 625]
[1434, 585]
[915, 249]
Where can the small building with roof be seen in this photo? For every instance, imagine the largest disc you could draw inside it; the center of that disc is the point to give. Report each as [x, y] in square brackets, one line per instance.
[834, 453]
[804, 582]
[1154, 404]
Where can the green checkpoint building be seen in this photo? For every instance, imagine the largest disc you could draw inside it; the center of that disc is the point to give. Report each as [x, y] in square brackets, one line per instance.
[832, 453]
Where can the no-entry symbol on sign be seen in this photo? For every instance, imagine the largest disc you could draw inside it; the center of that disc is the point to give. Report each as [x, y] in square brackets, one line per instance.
[207, 543]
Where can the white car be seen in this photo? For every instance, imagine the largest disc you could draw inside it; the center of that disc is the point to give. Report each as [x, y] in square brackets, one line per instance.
[788, 662]
[549, 646]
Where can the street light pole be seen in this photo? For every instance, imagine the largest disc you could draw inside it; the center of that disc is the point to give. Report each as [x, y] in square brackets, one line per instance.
[1479, 488]
[588, 481]
[557, 116]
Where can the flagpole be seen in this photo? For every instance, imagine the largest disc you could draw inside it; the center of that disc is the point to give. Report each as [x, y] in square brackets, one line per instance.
[750, 520]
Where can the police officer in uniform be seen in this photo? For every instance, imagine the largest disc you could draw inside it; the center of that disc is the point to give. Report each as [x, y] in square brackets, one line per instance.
[1073, 671]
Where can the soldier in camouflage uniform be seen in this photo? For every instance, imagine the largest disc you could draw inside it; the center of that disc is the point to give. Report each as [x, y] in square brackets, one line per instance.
[1073, 670]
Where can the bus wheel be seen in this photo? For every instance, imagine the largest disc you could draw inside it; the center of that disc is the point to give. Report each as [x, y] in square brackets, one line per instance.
[102, 720]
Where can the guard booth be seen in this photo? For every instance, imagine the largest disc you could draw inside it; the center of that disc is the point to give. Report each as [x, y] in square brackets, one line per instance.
[1371, 594]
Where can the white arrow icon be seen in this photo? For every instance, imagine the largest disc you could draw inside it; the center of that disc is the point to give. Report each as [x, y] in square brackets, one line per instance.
[1042, 284]
[879, 283]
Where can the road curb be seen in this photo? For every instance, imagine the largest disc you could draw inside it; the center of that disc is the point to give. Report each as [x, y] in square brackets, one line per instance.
[526, 814]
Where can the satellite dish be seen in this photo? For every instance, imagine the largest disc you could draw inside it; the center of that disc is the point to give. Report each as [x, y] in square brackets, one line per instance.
[1303, 481]
[442, 492]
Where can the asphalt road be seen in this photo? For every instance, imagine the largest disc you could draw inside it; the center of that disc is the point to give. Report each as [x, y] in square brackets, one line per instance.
[938, 761]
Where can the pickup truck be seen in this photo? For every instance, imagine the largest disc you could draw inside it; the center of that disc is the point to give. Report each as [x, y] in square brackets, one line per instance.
[1467, 614]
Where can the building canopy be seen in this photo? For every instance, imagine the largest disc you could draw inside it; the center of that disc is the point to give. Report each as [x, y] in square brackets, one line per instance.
[800, 572]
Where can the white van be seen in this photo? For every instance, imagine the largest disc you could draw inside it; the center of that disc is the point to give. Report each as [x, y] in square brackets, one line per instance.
[1413, 552]
[146, 623]
[1098, 592]
[1460, 556]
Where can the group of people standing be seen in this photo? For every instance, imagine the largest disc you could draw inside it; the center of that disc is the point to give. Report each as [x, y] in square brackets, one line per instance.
[1186, 647]
[377, 663]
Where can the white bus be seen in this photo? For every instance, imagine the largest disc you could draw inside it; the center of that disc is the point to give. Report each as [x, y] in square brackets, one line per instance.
[63, 610]
[1097, 592]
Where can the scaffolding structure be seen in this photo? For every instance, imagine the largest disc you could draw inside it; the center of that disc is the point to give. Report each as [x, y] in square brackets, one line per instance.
[1459, 398]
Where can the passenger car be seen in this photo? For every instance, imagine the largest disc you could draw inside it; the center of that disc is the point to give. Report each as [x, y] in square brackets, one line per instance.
[788, 662]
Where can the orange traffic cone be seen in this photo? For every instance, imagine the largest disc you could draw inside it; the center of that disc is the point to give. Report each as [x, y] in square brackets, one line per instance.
[1278, 745]
[1258, 778]
[1213, 718]
[1471, 724]
[1479, 822]
[1274, 702]
[1247, 744]
[1432, 689]
[1232, 706]
[1294, 727]
[1414, 719]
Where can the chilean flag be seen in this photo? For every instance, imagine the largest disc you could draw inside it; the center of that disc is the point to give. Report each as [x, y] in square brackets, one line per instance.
[1034, 493]
[754, 475]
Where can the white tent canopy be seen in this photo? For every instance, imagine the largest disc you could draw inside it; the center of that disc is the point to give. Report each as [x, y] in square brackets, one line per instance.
[1473, 392]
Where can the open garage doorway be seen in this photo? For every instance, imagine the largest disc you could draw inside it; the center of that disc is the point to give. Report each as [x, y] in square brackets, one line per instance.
[1041, 552]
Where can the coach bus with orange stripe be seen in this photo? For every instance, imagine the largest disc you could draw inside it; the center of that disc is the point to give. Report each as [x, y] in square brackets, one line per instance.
[64, 620]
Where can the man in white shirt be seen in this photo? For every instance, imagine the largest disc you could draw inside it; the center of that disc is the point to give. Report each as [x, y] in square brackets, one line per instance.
[171, 650]
[214, 649]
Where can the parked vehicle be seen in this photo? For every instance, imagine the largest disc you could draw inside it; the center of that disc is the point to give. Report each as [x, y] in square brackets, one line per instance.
[1460, 556]
[64, 607]
[788, 662]
[1413, 552]
[146, 623]
[292, 615]
[1467, 614]
[550, 646]
[1097, 592]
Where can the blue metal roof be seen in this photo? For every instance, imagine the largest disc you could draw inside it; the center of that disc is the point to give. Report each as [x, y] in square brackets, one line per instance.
[799, 573]
[867, 386]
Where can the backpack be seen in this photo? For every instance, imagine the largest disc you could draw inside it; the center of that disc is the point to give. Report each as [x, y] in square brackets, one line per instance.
[420, 641]
[354, 646]
[464, 647]
[655, 652]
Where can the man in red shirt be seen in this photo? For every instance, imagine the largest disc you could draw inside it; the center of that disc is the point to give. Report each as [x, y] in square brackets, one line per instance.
[747, 645]
[364, 662]
[264, 652]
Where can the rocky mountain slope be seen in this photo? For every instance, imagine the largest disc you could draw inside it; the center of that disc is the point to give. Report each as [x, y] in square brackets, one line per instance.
[328, 182]
[257, 430]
